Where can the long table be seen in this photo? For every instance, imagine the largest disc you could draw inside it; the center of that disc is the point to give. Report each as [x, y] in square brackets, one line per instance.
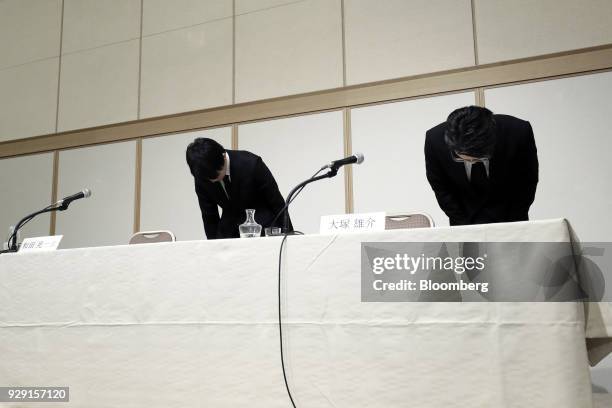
[194, 323]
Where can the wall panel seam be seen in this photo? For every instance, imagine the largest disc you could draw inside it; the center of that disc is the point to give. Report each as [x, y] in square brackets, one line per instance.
[234, 140]
[348, 170]
[479, 96]
[343, 21]
[233, 51]
[137, 185]
[23, 64]
[215, 20]
[170, 30]
[140, 59]
[59, 70]
[54, 192]
[474, 31]
[84, 50]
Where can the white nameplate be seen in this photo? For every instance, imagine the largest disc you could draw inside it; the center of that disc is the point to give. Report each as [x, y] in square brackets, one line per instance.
[40, 244]
[337, 224]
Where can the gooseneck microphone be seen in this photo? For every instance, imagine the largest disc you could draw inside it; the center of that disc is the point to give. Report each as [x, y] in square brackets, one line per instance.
[357, 158]
[65, 202]
[60, 205]
[333, 167]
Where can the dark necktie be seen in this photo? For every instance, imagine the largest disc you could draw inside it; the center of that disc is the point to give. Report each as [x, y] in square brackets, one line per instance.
[479, 179]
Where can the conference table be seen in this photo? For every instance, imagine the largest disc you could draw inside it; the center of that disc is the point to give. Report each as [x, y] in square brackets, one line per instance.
[195, 324]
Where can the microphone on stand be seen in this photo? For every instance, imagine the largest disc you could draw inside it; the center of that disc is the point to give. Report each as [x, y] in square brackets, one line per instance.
[357, 158]
[65, 202]
[60, 205]
[333, 167]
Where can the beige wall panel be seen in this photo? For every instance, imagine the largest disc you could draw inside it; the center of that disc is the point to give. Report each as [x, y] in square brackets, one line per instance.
[294, 149]
[396, 38]
[26, 184]
[164, 15]
[288, 50]
[187, 69]
[525, 28]
[107, 217]
[99, 86]
[93, 23]
[168, 200]
[392, 137]
[28, 99]
[249, 6]
[571, 123]
[29, 30]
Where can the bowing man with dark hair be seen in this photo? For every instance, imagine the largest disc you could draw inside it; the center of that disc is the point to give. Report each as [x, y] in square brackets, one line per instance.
[234, 180]
[483, 168]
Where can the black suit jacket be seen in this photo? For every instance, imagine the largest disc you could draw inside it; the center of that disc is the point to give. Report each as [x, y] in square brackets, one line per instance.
[251, 186]
[513, 176]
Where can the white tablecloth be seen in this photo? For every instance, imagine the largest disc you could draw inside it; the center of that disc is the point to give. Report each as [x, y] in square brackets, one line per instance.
[191, 324]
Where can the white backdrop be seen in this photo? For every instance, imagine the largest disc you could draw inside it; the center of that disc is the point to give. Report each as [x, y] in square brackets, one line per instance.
[107, 217]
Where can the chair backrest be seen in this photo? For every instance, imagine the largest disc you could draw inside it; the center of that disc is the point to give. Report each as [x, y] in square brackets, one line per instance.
[399, 221]
[148, 237]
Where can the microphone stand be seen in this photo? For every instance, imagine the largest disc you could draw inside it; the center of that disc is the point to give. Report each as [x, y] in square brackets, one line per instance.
[12, 247]
[333, 171]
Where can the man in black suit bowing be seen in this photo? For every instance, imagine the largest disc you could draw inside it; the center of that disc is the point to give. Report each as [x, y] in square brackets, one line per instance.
[234, 180]
[483, 168]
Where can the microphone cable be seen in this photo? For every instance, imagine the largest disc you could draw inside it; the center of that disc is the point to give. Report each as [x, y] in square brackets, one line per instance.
[280, 318]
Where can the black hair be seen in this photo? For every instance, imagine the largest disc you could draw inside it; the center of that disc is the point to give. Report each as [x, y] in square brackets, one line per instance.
[471, 130]
[205, 158]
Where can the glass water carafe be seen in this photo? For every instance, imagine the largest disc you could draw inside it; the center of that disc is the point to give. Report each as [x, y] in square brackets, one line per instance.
[250, 228]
